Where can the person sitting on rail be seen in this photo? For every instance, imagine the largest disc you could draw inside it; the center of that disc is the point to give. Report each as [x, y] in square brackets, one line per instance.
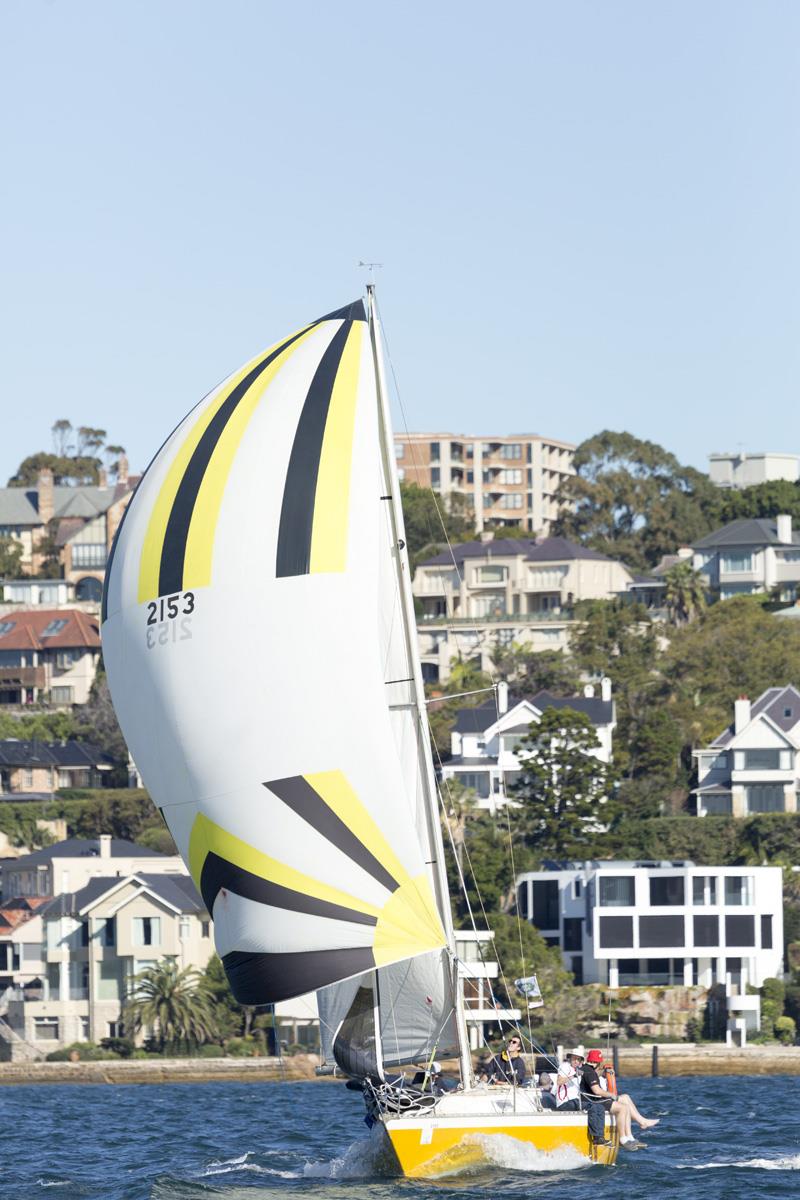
[622, 1107]
[546, 1094]
[508, 1066]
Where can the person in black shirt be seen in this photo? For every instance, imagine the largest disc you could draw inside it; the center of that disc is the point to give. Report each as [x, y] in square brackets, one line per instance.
[509, 1065]
[622, 1107]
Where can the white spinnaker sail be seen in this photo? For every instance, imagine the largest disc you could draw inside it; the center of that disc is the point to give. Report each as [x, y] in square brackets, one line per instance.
[239, 639]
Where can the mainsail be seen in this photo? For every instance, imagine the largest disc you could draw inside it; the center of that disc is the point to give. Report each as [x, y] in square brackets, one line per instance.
[250, 633]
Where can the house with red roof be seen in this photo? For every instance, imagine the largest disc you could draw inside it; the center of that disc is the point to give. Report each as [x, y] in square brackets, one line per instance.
[48, 655]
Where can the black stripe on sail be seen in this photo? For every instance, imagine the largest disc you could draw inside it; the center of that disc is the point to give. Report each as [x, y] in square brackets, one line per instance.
[299, 795]
[268, 978]
[299, 493]
[217, 873]
[173, 551]
[350, 312]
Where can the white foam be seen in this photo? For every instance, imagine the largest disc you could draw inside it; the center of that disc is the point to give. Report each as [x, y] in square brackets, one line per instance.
[364, 1158]
[514, 1155]
[791, 1163]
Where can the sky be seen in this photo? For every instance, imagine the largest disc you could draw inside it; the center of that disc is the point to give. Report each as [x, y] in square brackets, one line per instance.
[587, 212]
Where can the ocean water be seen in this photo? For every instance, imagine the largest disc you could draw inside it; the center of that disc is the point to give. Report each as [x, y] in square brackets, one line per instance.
[718, 1137]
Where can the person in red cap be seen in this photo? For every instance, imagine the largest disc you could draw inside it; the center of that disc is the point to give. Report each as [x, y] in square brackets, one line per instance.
[622, 1107]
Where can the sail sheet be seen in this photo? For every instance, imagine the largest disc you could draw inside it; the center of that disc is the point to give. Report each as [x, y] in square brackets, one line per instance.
[239, 634]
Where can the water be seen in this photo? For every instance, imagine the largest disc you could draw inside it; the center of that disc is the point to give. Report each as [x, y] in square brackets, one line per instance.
[719, 1136]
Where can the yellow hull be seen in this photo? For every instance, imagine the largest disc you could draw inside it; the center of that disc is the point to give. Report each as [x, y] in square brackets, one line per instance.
[427, 1146]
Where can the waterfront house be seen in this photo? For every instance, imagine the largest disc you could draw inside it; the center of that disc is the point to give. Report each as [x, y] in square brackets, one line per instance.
[751, 555]
[48, 655]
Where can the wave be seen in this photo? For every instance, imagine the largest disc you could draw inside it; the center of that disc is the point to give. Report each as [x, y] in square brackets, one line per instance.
[790, 1163]
[365, 1158]
[513, 1155]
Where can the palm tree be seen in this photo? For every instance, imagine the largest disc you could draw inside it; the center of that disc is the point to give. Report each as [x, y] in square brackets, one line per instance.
[685, 592]
[171, 1002]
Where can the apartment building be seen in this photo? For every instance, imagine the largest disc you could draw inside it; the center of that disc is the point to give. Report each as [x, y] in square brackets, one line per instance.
[631, 924]
[485, 739]
[751, 555]
[504, 590]
[48, 655]
[510, 480]
[31, 768]
[80, 520]
[754, 764]
[80, 951]
[71, 864]
[741, 470]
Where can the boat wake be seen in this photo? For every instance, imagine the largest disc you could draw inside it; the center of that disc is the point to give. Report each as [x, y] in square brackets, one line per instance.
[785, 1163]
[480, 1150]
[364, 1159]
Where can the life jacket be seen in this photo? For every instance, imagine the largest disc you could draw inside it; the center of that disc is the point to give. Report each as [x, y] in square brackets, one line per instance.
[611, 1081]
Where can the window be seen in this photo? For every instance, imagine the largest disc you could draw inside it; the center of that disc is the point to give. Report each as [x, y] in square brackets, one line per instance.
[661, 931]
[434, 448]
[573, 933]
[61, 695]
[84, 1028]
[492, 574]
[6, 627]
[511, 475]
[89, 555]
[205, 929]
[105, 931]
[83, 934]
[738, 890]
[45, 1029]
[436, 476]
[27, 779]
[764, 797]
[470, 476]
[758, 760]
[401, 474]
[545, 903]
[54, 627]
[512, 450]
[185, 929]
[706, 931]
[577, 889]
[704, 890]
[31, 951]
[522, 901]
[736, 561]
[617, 891]
[740, 931]
[717, 805]
[666, 890]
[147, 931]
[510, 500]
[616, 932]
[766, 933]
[109, 981]
[399, 450]
[478, 781]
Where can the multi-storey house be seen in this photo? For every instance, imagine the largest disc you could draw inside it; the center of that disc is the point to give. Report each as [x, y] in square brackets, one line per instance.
[32, 768]
[752, 555]
[48, 655]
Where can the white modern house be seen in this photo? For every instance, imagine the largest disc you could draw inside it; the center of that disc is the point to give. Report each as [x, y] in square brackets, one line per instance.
[741, 470]
[749, 556]
[754, 764]
[485, 739]
[632, 924]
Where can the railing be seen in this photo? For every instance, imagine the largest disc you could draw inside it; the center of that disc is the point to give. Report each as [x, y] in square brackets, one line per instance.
[23, 676]
[652, 979]
[563, 616]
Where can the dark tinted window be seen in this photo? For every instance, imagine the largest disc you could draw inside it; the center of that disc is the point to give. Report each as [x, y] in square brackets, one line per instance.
[661, 931]
[706, 931]
[616, 931]
[666, 889]
[545, 903]
[740, 931]
[576, 967]
[573, 930]
[617, 891]
[766, 933]
[522, 901]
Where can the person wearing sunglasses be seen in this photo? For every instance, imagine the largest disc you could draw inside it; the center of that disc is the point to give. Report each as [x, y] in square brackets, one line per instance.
[508, 1066]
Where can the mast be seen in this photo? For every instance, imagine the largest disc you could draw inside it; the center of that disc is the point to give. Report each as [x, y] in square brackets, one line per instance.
[403, 570]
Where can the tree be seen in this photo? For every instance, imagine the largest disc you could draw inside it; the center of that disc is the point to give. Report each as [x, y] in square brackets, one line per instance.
[564, 793]
[532, 671]
[10, 558]
[487, 871]
[172, 1003]
[97, 722]
[431, 520]
[61, 431]
[233, 1018]
[762, 500]
[633, 500]
[685, 592]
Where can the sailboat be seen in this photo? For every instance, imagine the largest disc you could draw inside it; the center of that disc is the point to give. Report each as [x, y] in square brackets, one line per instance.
[259, 638]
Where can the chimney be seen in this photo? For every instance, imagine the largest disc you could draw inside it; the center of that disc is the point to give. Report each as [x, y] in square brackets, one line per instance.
[46, 501]
[605, 688]
[105, 845]
[122, 470]
[741, 714]
[502, 697]
[783, 524]
[102, 477]
[588, 691]
[487, 535]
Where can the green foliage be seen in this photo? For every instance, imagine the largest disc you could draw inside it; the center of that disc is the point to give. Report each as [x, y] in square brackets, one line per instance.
[694, 1029]
[685, 592]
[530, 671]
[774, 991]
[75, 458]
[762, 500]
[10, 558]
[786, 1030]
[86, 1051]
[431, 520]
[122, 1046]
[563, 791]
[484, 852]
[230, 1015]
[633, 500]
[171, 1001]
[522, 950]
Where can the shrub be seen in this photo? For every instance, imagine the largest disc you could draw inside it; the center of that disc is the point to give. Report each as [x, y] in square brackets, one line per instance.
[786, 1030]
[122, 1046]
[774, 990]
[242, 1047]
[210, 1050]
[694, 1029]
[86, 1051]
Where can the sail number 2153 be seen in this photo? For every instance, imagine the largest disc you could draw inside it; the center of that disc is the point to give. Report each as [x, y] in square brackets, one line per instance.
[168, 619]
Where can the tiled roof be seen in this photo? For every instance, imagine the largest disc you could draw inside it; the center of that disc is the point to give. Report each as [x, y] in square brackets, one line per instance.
[24, 630]
[549, 549]
[82, 848]
[174, 889]
[774, 702]
[20, 505]
[480, 718]
[756, 531]
[21, 752]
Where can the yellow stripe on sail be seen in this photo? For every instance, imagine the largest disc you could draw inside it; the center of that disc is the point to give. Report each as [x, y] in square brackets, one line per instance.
[200, 539]
[337, 793]
[150, 564]
[409, 924]
[331, 503]
[208, 838]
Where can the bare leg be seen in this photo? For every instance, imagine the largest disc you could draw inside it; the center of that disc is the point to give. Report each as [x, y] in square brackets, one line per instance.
[644, 1122]
[623, 1114]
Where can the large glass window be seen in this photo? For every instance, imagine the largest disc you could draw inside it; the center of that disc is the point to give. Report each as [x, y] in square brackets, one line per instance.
[616, 932]
[477, 780]
[666, 890]
[45, 1029]
[732, 560]
[109, 983]
[545, 903]
[617, 891]
[740, 931]
[765, 797]
[573, 933]
[147, 931]
[661, 931]
[759, 760]
[766, 932]
[706, 930]
[704, 890]
[89, 556]
[493, 574]
[738, 890]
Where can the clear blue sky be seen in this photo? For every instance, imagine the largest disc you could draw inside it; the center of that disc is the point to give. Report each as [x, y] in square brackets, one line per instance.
[587, 211]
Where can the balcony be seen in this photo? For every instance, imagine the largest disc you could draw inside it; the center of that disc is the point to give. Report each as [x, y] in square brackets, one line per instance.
[22, 677]
[541, 618]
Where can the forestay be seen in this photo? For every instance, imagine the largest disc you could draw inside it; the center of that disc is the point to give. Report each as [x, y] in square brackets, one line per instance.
[248, 645]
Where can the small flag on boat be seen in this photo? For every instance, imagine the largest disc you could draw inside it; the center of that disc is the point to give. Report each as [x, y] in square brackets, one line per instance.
[529, 986]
